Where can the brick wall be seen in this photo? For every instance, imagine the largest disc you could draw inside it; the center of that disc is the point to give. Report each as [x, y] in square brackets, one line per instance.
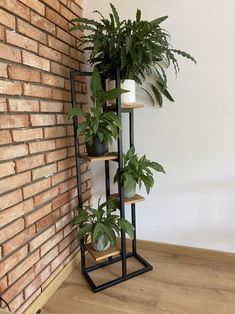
[37, 164]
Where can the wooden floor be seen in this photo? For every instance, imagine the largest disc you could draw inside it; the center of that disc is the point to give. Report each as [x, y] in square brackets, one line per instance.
[184, 281]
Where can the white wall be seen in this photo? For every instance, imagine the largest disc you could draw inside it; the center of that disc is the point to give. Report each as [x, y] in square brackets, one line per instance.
[194, 138]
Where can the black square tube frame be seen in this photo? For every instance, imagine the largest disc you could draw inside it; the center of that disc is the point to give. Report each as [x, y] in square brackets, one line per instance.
[123, 256]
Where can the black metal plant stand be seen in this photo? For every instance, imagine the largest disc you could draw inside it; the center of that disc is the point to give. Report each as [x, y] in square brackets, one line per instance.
[122, 254]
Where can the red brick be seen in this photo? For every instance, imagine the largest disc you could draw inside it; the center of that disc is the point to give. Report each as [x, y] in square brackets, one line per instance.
[46, 196]
[52, 277]
[23, 105]
[56, 18]
[36, 91]
[70, 131]
[3, 283]
[37, 214]
[45, 261]
[80, 3]
[64, 142]
[16, 211]
[29, 163]
[10, 199]
[58, 45]
[21, 41]
[3, 69]
[29, 300]
[68, 185]
[66, 241]
[49, 53]
[37, 282]
[67, 13]
[8, 121]
[14, 182]
[27, 135]
[20, 239]
[69, 62]
[23, 74]
[45, 171]
[61, 94]
[35, 5]
[47, 106]
[36, 188]
[19, 285]
[60, 69]
[61, 200]
[53, 3]
[65, 164]
[16, 7]
[5, 137]
[77, 9]
[51, 242]
[71, 151]
[10, 152]
[56, 155]
[42, 119]
[41, 238]
[14, 259]
[35, 61]
[59, 259]
[63, 221]
[16, 302]
[23, 267]
[41, 146]
[3, 104]
[7, 169]
[52, 80]
[47, 221]
[11, 230]
[7, 19]
[54, 132]
[31, 31]
[2, 33]
[42, 23]
[65, 175]
[10, 88]
[66, 37]
[62, 119]
[67, 85]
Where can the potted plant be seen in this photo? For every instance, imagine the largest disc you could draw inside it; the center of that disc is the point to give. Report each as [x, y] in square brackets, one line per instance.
[99, 127]
[137, 171]
[141, 49]
[101, 226]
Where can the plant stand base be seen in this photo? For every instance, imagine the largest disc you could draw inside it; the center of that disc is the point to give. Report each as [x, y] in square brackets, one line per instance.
[146, 267]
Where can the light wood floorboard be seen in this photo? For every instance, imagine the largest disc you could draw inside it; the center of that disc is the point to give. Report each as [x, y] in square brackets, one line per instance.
[184, 281]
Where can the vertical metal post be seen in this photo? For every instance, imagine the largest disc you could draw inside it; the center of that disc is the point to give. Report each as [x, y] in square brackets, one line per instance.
[120, 183]
[133, 215]
[78, 161]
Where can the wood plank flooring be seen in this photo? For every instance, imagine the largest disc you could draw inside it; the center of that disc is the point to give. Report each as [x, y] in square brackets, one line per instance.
[184, 281]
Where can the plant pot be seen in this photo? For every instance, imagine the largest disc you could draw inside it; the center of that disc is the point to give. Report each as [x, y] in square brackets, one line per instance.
[96, 149]
[129, 85]
[99, 245]
[129, 193]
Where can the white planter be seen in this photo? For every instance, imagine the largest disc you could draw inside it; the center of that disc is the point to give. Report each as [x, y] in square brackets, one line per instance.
[129, 85]
[99, 244]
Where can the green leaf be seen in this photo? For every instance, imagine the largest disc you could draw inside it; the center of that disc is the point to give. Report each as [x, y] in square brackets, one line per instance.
[157, 94]
[96, 84]
[165, 91]
[159, 20]
[83, 231]
[98, 231]
[126, 227]
[111, 94]
[156, 166]
[184, 54]
[81, 128]
[76, 112]
[138, 16]
[115, 14]
[81, 217]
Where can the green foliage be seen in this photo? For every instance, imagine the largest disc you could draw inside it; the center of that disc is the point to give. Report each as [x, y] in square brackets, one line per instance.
[97, 122]
[138, 170]
[98, 222]
[140, 48]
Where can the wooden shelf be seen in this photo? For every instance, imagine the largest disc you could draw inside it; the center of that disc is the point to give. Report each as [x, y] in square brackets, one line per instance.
[98, 256]
[126, 106]
[109, 156]
[136, 199]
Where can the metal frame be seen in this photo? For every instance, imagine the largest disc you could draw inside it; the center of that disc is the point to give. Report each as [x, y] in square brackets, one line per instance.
[123, 254]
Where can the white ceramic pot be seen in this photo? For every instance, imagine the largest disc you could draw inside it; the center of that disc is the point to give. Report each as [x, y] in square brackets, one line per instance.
[99, 245]
[129, 85]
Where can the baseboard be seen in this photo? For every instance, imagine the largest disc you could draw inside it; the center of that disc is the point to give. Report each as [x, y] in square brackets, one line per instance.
[42, 299]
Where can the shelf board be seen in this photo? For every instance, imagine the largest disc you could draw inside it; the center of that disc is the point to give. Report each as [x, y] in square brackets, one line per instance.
[98, 256]
[126, 106]
[136, 199]
[109, 156]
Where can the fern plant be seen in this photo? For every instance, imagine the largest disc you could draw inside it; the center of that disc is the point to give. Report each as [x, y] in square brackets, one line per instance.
[141, 49]
[99, 222]
[138, 171]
